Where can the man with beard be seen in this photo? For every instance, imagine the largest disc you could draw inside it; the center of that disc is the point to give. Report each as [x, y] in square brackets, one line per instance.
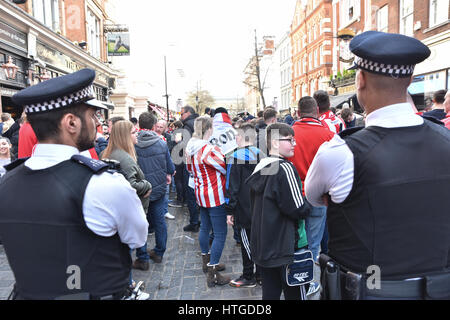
[80, 219]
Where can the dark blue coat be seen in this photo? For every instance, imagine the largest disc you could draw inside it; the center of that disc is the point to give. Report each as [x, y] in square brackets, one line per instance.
[154, 159]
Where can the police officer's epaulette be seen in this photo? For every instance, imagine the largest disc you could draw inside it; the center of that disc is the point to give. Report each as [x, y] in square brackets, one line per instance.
[15, 164]
[349, 131]
[95, 165]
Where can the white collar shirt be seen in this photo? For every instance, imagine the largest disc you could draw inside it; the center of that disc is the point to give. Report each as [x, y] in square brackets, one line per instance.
[332, 170]
[110, 204]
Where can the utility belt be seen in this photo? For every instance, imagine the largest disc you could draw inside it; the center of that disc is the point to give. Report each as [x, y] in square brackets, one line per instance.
[126, 294]
[340, 283]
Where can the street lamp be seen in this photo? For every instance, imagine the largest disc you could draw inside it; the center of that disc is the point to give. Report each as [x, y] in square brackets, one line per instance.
[10, 69]
[45, 75]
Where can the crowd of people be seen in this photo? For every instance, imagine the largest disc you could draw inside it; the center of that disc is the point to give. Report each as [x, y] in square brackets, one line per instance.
[272, 181]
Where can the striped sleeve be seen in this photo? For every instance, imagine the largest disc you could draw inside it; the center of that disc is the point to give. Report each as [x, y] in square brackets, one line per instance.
[216, 159]
[291, 201]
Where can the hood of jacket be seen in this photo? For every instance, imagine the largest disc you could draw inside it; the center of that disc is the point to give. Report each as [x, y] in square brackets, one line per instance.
[195, 145]
[265, 168]
[146, 139]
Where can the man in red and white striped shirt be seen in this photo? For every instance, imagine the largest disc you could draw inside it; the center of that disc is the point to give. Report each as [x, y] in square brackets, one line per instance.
[326, 116]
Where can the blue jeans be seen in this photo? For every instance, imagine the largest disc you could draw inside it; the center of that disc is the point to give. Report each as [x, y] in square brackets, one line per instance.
[189, 197]
[166, 199]
[155, 213]
[216, 219]
[315, 225]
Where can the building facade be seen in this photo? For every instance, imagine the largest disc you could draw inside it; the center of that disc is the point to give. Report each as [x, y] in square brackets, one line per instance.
[283, 54]
[426, 20]
[311, 42]
[50, 38]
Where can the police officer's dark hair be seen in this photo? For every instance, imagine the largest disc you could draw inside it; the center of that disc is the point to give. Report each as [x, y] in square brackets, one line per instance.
[439, 96]
[323, 100]
[307, 106]
[189, 109]
[46, 124]
[221, 110]
[269, 113]
[277, 130]
[147, 121]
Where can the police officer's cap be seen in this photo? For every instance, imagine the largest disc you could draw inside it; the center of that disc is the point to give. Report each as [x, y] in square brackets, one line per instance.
[387, 54]
[60, 92]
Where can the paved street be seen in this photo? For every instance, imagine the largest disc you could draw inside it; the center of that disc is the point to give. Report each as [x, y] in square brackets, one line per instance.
[180, 275]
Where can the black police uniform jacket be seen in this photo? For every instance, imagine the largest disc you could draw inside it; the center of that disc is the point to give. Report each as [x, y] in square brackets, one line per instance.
[46, 238]
[397, 214]
[277, 206]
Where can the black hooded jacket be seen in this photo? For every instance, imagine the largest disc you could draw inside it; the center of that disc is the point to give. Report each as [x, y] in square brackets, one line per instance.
[278, 208]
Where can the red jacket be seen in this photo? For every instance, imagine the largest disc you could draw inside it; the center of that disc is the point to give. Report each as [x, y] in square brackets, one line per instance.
[310, 134]
[27, 140]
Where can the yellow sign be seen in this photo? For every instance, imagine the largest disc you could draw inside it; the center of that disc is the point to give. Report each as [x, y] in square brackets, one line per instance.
[347, 89]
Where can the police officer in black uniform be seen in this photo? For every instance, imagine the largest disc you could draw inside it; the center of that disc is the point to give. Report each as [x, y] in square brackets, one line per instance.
[387, 185]
[71, 221]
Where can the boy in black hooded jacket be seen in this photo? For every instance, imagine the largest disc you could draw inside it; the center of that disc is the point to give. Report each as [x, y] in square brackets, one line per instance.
[278, 213]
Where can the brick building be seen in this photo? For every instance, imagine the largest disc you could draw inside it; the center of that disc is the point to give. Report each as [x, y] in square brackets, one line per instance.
[311, 43]
[426, 20]
[50, 38]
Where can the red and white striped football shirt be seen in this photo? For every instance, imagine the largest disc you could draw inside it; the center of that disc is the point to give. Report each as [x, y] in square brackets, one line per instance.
[209, 170]
[334, 123]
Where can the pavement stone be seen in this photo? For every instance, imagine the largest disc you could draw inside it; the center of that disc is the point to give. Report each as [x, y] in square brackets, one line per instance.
[180, 275]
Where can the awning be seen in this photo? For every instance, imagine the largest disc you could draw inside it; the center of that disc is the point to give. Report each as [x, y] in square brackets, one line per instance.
[336, 101]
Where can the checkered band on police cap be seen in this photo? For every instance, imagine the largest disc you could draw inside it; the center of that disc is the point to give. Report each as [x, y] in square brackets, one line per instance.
[383, 68]
[82, 95]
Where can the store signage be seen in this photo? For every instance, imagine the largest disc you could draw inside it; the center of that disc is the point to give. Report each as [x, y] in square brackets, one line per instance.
[60, 61]
[13, 37]
[6, 92]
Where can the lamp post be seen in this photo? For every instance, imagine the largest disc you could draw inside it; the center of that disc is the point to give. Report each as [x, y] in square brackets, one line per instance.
[166, 95]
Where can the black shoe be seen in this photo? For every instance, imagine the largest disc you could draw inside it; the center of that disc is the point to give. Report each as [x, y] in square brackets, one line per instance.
[141, 265]
[241, 282]
[192, 228]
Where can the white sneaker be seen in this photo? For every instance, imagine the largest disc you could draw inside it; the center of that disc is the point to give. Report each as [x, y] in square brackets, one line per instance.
[169, 216]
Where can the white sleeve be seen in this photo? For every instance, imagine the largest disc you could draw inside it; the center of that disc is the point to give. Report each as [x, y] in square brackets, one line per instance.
[112, 206]
[330, 172]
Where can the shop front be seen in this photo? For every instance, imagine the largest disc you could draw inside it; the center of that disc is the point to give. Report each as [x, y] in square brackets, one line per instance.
[14, 64]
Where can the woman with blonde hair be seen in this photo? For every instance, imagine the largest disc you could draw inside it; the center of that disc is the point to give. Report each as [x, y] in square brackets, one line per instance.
[121, 148]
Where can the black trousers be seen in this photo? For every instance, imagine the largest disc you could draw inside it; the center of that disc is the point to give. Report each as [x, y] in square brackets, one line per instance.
[179, 177]
[247, 262]
[273, 284]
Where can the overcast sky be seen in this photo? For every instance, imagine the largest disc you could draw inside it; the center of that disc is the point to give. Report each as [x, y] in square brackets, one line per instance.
[210, 40]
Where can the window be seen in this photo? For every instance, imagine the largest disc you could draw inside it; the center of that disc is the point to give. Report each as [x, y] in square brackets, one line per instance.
[299, 67]
[316, 60]
[438, 11]
[321, 55]
[305, 67]
[311, 66]
[406, 17]
[382, 19]
[47, 12]
[93, 33]
[349, 10]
